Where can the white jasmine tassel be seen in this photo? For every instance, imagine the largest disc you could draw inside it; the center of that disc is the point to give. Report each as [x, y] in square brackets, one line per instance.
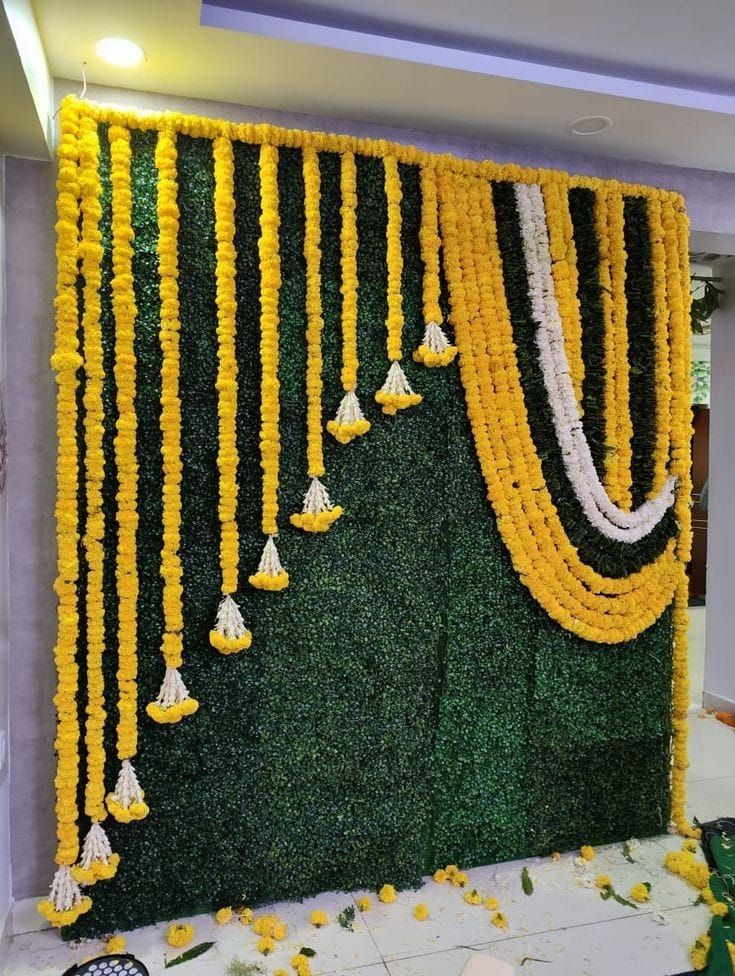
[65, 902]
[230, 633]
[349, 421]
[318, 512]
[97, 862]
[436, 349]
[396, 393]
[174, 700]
[271, 575]
[126, 802]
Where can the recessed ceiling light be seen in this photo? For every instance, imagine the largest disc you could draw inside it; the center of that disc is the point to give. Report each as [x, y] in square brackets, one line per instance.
[120, 52]
[590, 125]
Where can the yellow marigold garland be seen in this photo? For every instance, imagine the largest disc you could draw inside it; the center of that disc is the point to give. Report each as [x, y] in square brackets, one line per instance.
[126, 801]
[618, 257]
[564, 270]
[435, 349]
[396, 393]
[270, 575]
[661, 340]
[174, 701]
[318, 511]
[97, 861]
[65, 902]
[350, 421]
[229, 634]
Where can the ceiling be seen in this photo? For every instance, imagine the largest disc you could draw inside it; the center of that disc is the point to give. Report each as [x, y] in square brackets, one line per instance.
[661, 69]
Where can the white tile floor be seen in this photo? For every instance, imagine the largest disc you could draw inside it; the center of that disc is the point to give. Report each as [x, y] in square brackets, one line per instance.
[563, 929]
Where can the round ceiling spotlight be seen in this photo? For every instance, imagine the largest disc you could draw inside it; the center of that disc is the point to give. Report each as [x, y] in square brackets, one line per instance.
[120, 52]
[590, 125]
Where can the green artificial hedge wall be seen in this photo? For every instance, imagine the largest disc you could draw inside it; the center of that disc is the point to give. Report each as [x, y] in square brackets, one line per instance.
[405, 702]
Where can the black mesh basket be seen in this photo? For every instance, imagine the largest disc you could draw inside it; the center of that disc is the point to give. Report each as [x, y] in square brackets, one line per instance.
[120, 964]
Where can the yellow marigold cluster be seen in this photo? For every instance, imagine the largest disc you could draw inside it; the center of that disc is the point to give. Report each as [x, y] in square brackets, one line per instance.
[587, 852]
[661, 344]
[173, 713]
[387, 894]
[314, 317]
[348, 262]
[684, 863]
[430, 243]
[316, 521]
[319, 918]
[394, 258]
[593, 606]
[473, 897]
[98, 870]
[115, 944]
[300, 964]
[223, 916]
[640, 892]
[699, 952]
[180, 934]
[270, 927]
[230, 645]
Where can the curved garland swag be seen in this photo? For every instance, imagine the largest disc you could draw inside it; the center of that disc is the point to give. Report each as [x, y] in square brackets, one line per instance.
[588, 475]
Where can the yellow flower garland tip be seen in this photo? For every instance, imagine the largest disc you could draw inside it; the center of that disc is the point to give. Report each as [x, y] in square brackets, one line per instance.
[350, 421]
[229, 634]
[115, 944]
[435, 350]
[179, 934]
[97, 862]
[271, 575]
[125, 803]
[387, 894]
[96, 871]
[396, 394]
[319, 918]
[65, 902]
[318, 512]
[421, 912]
[173, 702]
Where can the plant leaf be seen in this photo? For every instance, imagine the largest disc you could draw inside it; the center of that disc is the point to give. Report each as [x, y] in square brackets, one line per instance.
[346, 917]
[306, 951]
[626, 853]
[193, 953]
[526, 882]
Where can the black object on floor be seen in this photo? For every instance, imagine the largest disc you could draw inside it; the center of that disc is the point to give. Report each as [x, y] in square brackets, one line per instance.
[121, 964]
[722, 827]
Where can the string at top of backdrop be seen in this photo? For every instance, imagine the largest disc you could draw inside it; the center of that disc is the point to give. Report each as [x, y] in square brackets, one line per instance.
[593, 509]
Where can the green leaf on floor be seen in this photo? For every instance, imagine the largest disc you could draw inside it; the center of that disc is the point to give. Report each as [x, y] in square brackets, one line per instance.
[306, 951]
[526, 882]
[346, 918]
[193, 953]
[609, 892]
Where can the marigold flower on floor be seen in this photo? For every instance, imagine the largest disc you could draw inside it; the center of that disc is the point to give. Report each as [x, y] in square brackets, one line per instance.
[492, 904]
[420, 912]
[319, 918]
[587, 852]
[223, 916]
[364, 903]
[179, 934]
[473, 897]
[115, 944]
[266, 944]
[387, 894]
[500, 921]
[603, 880]
[640, 892]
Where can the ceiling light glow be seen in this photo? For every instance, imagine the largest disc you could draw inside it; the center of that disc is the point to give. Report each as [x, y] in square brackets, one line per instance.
[120, 52]
[590, 125]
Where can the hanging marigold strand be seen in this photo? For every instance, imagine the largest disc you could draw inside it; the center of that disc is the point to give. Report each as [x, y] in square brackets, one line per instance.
[318, 512]
[229, 633]
[350, 421]
[661, 338]
[126, 801]
[396, 393]
[610, 396]
[270, 574]
[435, 350]
[173, 701]
[618, 257]
[65, 902]
[97, 861]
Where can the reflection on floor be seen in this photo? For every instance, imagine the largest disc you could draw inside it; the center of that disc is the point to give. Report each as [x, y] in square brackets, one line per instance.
[563, 929]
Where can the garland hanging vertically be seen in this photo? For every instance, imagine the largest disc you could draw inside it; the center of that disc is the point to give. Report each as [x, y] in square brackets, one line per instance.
[173, 701]
[229, 634]
[395, 394]
[97, 861]
[435, 350]
[350, 421]
[126, 802]
[318, 511]
[270, 575]
[661, 341]
[65, 902]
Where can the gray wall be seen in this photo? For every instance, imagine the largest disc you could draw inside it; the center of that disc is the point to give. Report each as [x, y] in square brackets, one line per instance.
[30, 403]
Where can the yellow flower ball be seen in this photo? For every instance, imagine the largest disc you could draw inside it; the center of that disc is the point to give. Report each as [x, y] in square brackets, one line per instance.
[387, 894]
[460, 879]
[223, 916]
[640, 892]
[451, 870]
[499, 921]
[421, 912]
[587, 852]
[179, 934]
[115, 944]
[492, 904]
[699, 952]
[319, 918]
[719, 908]
[246, 915]
[364, 903]
[690, 845]
[441, 876]
[266, 944]
[603, 880]
[473, 897]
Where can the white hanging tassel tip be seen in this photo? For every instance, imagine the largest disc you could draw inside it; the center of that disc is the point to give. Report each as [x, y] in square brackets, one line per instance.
[436, 349]
[350, 421]
[318, 512]
[97, 862]
[174, 700]
[126, 802]
[65, 902]
[229, 634]
[271, 575]
[396, 394]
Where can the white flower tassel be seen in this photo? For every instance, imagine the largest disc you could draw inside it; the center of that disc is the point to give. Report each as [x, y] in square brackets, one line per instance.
[174, 700]
[271, 575]
[318, 512]
[65, 902]
[350, 421]
[396, 394]
[436, 349]
[97, 862]
[126, 802]
[230, 633]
